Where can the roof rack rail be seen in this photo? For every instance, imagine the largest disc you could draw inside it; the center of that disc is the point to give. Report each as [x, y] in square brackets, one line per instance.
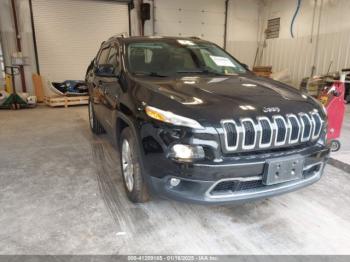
[122, 35]
[195, 37]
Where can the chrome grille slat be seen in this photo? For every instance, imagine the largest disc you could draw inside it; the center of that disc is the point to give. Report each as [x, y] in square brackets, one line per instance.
[277, 131]
[232, 134]
[281, 130]
[306, 124]
[227, 133]
[266, 130]
[318, 123]
[249, 133]
[295, 128]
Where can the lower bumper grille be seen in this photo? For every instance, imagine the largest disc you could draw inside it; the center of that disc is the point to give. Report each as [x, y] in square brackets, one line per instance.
[238, 185]
[234, 186]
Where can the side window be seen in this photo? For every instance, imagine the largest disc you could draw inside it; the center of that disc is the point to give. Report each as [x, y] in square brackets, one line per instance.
[102, 59]
[113, 57]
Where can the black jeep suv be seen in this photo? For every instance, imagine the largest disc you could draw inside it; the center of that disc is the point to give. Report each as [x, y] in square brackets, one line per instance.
[194, 124]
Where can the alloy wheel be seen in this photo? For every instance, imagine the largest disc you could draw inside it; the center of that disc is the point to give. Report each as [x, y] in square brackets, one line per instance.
[127, 165]
[91, 115]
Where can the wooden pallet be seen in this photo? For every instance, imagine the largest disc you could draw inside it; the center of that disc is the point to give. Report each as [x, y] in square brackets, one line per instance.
[66, 101]
[264, 71]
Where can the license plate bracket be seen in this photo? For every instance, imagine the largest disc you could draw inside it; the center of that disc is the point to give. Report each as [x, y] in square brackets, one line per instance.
[284, 169]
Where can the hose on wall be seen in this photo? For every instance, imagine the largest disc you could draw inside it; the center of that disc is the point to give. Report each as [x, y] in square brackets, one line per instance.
[293, 19]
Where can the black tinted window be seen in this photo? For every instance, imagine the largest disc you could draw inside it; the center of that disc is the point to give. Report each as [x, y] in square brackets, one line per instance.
[179, 57]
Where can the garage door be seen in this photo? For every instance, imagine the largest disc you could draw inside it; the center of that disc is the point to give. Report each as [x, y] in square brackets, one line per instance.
[69, 33]
[203, 18]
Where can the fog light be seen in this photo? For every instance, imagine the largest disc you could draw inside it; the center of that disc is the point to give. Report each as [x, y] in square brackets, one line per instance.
[174, 182]
[186, 152]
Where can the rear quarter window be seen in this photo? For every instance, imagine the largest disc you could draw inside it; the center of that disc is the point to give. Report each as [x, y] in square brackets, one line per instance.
[102, 59]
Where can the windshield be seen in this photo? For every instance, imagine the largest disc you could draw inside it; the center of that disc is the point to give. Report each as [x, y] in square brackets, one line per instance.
[170, 58]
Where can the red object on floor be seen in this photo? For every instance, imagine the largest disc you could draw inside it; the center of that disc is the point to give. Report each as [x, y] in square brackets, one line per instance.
[332, 97]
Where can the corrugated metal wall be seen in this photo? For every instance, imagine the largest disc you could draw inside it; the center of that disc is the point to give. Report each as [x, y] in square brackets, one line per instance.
[69, 34]
[297, 55]
[97, 19]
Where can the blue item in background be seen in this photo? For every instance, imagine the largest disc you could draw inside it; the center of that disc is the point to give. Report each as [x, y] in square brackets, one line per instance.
[70, 88]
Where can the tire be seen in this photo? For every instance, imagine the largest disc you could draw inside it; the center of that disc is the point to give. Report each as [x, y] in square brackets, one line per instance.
[95, 125]
[134, 184]
[335, 145]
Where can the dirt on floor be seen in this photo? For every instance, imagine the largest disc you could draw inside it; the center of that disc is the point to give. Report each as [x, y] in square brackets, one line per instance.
[61, 192]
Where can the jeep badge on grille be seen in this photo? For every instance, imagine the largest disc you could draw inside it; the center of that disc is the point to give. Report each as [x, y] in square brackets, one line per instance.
[271, 110]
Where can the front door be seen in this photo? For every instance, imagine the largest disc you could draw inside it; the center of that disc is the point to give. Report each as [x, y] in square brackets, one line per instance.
[97, 86]
[111, 89]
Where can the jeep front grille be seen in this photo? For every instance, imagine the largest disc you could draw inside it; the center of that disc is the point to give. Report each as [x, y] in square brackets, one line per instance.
[265, 133]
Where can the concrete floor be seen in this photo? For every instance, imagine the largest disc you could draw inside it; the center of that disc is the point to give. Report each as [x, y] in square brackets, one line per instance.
[61, 193]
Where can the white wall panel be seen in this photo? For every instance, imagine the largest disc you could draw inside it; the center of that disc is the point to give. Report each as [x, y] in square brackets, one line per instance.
[203, 18]
[242, 29]
[206, 19]
[244, 51]
[69, 34]
[194, 5]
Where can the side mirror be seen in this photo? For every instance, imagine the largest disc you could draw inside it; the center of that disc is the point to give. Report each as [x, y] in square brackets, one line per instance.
[106, 70]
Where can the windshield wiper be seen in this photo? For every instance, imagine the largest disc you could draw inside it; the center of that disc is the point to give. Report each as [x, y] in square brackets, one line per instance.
[189, 71]
[155, 74]
[200, 71]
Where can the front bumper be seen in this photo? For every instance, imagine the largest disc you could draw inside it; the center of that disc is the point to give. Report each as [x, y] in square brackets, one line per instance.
[247, 174]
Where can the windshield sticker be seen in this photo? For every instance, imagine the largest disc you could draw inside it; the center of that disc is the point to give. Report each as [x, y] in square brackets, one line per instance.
[222, 61]
[185, 42]
[148, 56]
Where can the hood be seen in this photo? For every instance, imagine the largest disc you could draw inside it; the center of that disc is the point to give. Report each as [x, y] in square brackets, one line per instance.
[217, 98]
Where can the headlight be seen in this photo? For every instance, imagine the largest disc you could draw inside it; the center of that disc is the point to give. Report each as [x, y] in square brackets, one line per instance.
[186, 152]
[171, 118]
